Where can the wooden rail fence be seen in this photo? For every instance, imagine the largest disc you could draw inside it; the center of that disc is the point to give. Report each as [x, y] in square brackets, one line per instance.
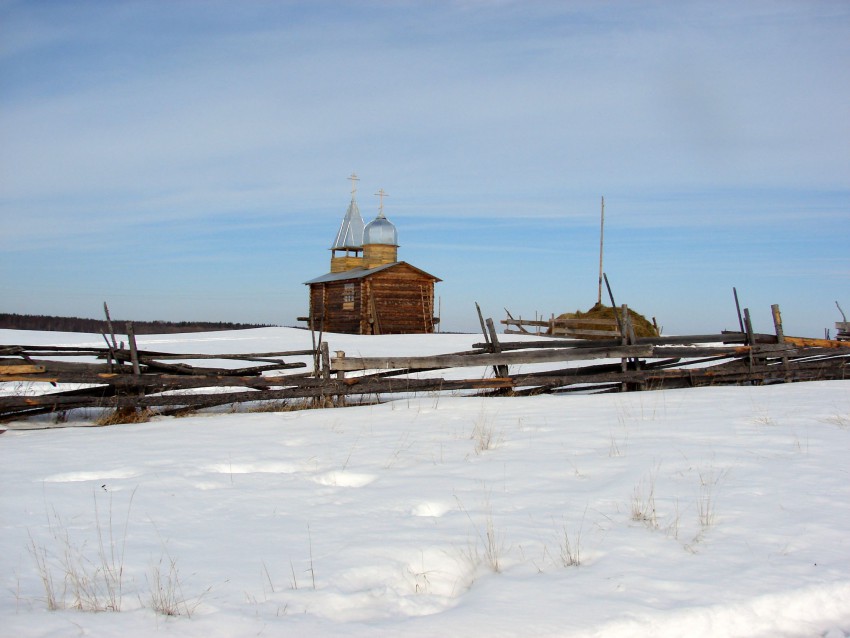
[130, 378]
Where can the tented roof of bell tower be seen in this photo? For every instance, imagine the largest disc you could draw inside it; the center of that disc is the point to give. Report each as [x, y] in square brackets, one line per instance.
[350, 235]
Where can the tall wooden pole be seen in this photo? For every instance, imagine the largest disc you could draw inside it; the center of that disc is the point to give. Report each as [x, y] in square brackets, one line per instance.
[601, 241]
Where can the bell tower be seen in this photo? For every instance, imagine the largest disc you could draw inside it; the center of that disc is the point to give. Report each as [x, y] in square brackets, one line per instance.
[348, 245]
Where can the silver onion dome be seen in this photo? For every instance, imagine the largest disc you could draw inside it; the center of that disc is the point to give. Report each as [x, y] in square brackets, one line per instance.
[380, 231]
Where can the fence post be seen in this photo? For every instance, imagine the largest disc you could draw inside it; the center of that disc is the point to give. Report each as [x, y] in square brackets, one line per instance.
[483, 327]
[777, 323]
[500, 370]
[748, 326]
[134, 353]
[780, 336]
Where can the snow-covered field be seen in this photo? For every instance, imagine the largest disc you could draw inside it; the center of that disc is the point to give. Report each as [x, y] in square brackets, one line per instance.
[706, 512]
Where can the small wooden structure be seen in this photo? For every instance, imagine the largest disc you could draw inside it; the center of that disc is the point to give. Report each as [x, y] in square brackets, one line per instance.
[394, 298]
[842, 328]
[587, 328]
[368, 291]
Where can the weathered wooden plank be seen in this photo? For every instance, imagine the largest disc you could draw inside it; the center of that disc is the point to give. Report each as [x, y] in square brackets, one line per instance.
[162, 381]
[503, 358]
[330, 388]
[256, 356]
[58, 366]
[706, 339]
[572, 322]
[598, 369]
[237, 372]
[725, 338]
[19, 373]
[19, 369]
[820, 353]
[579, 322]
[525, 322]
[816, 343]
[694, 352]
[73, 351]
[581, 332]
[662, 378]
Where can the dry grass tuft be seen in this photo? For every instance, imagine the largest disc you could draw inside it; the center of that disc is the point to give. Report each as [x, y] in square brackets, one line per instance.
[643, 502]
[707, 502]
[484, 433]
[166, 589]
[121, 416]
[78, 577]
[842, 421]
[571, 548]
[274, 406]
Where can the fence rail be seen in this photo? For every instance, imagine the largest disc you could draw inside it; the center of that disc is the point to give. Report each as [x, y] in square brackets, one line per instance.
[578, 328]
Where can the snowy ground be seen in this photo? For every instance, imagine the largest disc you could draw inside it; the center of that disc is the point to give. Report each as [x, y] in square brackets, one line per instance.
[704, 512]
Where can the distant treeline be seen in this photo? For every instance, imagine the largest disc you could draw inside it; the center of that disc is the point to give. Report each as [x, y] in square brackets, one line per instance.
[94, 326]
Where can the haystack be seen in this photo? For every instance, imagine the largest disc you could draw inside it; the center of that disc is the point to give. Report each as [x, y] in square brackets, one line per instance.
[642, 326]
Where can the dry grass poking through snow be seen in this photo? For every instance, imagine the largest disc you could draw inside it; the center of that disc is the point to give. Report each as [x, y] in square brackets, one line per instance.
[841, 420]
[72, 577]
[76, 576]
[166, 589]
[492, 546]
[707, 503]
[571, 547]
[121, 416]
[484, 433]
[643, 501]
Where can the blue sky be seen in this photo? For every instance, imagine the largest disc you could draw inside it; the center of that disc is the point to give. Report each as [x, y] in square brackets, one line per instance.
[188, 160]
